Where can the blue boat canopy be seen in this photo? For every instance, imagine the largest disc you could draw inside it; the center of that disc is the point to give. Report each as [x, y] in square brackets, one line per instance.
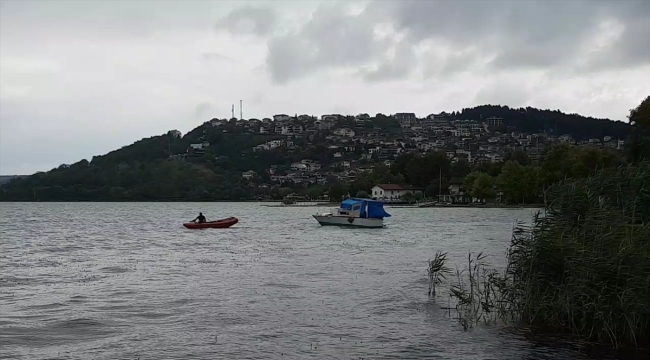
[368, 208]
[349, 203]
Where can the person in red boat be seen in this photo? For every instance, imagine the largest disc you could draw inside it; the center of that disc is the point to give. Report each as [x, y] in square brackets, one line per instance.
[200, 218]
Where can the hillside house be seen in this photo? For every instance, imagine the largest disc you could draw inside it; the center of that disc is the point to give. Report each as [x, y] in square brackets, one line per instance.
[311, 165]
[405, 119]
[270, 145]
[344, 132]
[494, 157]
[289, 129]
[249, 174]
[457, 193]
[217, 122]
[439, 117]
[306, 166]
[298, 166]
[331, 117]
[494, 121]
[464, 154]
[199, 146]
[323, 124]
[390, 192]
[343, 165]
[281, 117]
[456, 186]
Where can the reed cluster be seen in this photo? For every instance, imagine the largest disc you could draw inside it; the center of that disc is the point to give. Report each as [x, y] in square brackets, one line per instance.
[582, 266]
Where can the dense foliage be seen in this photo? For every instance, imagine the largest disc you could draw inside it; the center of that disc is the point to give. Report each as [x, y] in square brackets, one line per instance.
[531, 120]
[586, 263]
[517, 181]
[583, 266]
[640, 139]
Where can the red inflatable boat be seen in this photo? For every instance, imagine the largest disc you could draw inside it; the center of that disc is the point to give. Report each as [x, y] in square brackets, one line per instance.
[217, 224]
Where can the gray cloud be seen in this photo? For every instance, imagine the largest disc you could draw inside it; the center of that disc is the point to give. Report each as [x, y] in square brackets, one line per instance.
[249, 20]
[202, 110]
[331, 38]
[396, 66]
[486, 35]
[632, 46]
[217, 57]
[513, 94]
[257, 98]
[133, 18]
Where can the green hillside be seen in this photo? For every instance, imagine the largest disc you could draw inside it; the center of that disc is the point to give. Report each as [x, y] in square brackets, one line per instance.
[166, 167]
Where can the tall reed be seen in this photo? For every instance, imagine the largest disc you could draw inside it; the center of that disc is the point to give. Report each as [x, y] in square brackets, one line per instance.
[583, 266]
[437, 271]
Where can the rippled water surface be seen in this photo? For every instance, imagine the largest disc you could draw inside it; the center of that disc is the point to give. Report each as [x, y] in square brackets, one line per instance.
[127, 281]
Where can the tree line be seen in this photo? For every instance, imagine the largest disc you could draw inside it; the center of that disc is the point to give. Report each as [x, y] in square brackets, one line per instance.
[517, 179]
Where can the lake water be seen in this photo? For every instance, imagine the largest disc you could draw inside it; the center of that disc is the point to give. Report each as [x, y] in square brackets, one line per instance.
[127, 281]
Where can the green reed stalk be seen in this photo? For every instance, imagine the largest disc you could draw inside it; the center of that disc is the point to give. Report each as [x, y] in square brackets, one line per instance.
[437, 271]
[583, 266]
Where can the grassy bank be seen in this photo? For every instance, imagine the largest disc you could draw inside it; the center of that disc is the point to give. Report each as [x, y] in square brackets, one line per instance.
[582, 267]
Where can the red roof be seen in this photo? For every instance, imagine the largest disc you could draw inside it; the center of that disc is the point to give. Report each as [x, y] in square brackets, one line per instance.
[390, 187]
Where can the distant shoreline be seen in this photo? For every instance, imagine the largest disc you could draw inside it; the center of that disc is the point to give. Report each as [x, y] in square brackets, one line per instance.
[474, 206]
[279, 204]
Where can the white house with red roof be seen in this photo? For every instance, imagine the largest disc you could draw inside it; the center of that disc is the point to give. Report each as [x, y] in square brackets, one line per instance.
[390, 192]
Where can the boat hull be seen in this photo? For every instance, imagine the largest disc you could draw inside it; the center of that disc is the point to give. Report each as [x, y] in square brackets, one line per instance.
[218, 224]
[348, 221]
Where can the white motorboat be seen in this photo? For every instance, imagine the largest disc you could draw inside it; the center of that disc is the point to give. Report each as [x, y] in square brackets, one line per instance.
[355, 212]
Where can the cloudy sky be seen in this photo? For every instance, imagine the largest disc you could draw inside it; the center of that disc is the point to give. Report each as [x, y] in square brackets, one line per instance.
[81, 78]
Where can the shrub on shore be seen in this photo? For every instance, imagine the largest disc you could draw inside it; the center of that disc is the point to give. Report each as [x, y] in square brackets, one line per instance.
[583, 266]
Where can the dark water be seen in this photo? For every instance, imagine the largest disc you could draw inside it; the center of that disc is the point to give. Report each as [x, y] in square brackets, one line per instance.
[127, 281]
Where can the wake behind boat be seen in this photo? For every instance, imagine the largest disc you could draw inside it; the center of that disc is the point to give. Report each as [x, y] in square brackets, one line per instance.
[217, 224]
[355, 212]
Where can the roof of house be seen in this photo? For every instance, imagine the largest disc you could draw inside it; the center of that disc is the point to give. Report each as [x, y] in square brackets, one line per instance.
[390, 186]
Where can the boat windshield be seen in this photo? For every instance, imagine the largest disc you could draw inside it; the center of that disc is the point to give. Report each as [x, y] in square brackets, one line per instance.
[349, 203]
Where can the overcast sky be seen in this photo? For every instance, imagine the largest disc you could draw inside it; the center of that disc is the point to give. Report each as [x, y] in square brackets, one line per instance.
[81, 78]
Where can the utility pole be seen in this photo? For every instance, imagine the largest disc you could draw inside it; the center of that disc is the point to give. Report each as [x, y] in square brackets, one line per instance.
[233, 111]
[241, 112]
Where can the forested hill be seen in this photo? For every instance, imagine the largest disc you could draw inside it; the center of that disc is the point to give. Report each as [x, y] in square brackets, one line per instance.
[166, 167]
[531, 120]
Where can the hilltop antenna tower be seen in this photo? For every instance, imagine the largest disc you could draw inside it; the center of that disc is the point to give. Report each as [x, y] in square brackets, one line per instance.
[233, 111]
[241, 112]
